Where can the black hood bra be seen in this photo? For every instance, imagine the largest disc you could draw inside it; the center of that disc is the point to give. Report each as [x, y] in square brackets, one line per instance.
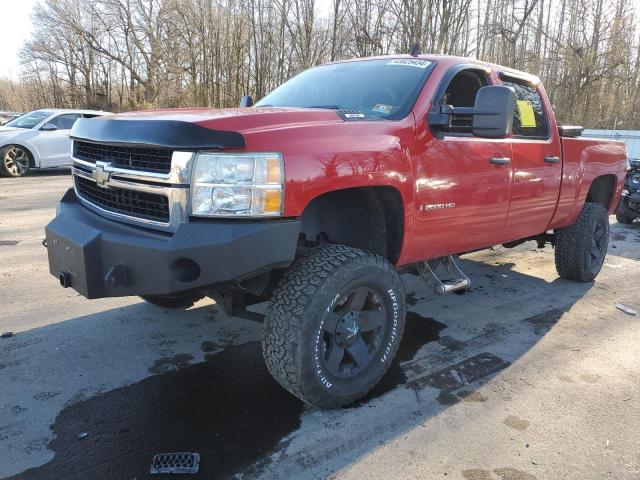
[173, 134]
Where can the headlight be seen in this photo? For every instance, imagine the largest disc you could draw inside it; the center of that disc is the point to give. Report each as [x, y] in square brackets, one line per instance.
[635, 178]
[232, 185]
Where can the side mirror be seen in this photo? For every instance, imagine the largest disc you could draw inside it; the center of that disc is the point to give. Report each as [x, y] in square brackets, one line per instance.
[493, 112]
[49, 127]
[246, 101]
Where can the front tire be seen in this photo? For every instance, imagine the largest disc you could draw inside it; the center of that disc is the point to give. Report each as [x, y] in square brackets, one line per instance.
[14, 161]
[582, 247]
[334, 325]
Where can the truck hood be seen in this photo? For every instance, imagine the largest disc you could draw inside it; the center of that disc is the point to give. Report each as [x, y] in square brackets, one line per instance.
[196, 129]
[243, 120]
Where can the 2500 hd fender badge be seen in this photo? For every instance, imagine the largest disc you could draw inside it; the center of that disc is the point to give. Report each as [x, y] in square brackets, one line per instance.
[436, 206]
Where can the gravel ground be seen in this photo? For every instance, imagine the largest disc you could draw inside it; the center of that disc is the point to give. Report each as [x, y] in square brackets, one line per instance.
[523, 377]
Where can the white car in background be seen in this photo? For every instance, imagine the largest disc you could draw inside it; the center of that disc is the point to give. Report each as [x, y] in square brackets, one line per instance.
[39, 139]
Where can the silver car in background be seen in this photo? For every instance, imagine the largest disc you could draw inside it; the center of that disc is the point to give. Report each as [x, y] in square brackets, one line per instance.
[39, 139]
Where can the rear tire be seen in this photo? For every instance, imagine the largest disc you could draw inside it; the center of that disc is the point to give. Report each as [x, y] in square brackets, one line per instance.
[334, 325]
[581, 248]
[183, 302]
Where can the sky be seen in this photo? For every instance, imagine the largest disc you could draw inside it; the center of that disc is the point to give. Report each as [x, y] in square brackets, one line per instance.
[15, 16]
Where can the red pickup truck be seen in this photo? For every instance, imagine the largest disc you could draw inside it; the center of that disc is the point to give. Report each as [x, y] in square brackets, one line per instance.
[315, 198]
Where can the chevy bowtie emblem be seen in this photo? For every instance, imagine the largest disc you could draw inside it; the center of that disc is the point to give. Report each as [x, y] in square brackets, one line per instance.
[100, 175]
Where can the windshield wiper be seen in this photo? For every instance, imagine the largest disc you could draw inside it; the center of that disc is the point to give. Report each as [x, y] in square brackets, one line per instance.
[345, 112]
[328, 107]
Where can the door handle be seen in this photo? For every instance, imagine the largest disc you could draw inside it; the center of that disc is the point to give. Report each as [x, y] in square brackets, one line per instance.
[552, 159]
[500, 160]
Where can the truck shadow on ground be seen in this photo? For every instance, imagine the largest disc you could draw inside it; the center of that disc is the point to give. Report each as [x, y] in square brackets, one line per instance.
[230, 410]
[227, 408]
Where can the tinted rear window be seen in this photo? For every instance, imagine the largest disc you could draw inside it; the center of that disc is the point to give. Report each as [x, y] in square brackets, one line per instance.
[528, 98]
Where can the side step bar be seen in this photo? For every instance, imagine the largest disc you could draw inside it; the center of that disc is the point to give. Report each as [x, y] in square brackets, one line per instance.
[444, 275]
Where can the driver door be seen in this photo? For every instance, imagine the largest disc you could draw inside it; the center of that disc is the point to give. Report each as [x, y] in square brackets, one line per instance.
[54, 146]
[463, 183]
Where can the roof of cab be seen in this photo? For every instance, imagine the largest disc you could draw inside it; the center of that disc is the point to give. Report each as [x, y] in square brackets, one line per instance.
[452, 60]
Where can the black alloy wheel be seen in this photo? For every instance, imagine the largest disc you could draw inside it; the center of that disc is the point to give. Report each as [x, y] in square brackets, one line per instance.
[353, 332]
[599, 245]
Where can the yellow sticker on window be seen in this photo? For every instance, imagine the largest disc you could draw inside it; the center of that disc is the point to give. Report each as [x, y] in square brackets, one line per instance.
[527, 116]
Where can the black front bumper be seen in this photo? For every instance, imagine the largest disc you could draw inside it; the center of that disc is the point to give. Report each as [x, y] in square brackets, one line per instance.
[102, 258]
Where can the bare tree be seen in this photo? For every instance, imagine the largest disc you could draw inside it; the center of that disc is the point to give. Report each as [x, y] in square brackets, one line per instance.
[132, 54]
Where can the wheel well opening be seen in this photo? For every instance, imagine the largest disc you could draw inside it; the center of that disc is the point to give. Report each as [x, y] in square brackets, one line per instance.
[369, 218]
[601, 190]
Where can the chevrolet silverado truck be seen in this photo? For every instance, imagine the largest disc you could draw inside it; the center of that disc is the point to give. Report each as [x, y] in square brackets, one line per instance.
[316, 198]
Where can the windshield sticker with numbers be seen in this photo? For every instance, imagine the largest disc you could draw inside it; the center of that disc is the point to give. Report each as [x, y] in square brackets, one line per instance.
[354, 115]
[410, 62]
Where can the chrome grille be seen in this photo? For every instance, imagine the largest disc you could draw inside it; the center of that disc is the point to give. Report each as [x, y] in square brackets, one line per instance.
[149, 206]
[131, 195]
[146, 159]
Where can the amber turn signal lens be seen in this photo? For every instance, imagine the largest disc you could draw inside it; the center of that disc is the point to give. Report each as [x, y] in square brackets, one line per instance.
[272, 201]
[274, 173]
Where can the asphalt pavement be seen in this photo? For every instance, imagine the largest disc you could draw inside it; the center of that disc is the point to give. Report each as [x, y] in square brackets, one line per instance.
[524, 377]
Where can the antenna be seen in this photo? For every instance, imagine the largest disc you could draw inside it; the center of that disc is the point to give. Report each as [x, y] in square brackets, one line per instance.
[415, 50]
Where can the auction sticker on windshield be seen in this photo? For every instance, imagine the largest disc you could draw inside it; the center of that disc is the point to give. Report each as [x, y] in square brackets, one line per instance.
[382, 108]
[410, 62]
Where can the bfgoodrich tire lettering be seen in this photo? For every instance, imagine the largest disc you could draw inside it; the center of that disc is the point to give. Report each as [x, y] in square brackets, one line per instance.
[336, 299]
[582, 247]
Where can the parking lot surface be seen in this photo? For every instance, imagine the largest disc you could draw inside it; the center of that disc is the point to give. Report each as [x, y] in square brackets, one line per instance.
[525, 376]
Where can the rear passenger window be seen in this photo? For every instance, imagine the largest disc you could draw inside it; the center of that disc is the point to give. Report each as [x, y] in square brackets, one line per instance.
[529, 118]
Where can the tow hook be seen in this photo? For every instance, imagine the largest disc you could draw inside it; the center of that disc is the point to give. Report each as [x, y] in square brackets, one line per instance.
[65, 279]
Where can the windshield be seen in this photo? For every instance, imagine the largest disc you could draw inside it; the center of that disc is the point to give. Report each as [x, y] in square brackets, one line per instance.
[28, 120]
[380, 89]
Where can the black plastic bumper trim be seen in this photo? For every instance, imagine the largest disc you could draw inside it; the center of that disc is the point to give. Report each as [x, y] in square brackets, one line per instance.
[103, 258]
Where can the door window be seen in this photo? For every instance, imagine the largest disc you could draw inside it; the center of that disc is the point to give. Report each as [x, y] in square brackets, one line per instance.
[66, 121]
[461, 92]
[529, 117]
